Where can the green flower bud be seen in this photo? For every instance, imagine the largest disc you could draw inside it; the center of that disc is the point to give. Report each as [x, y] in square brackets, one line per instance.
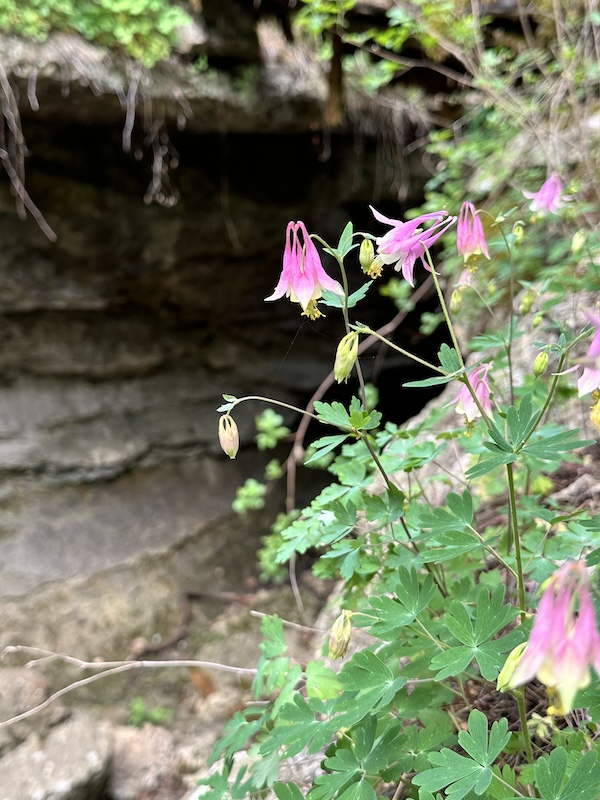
[229, 437]
[340, 635]
[456, 301]
[510, 665]
[578, 242]
[527, 301]
[540, 364]
[366, 254]
[518, 232]
[345, 356]
[537, 320]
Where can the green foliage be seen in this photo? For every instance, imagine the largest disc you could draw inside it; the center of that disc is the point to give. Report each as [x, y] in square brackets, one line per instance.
[140, 713]
[145, 30]
[249, 497]
[270, 429]
[444, 595]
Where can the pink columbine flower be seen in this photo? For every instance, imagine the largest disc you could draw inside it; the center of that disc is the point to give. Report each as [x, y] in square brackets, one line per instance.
[548, 198]
[407, 241]
[590, 380]
[465, 404]
[564, 640]
[303, 277]
[470, 238]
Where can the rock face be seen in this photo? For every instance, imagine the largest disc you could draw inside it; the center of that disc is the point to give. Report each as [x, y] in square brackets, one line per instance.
[71, 764]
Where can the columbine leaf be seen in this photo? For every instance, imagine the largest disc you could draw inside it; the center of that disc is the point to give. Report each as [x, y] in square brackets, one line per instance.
[437, 381]
[489, 464]
[369, 684]
[583, 784]
[332, 413]
[358, 295]
[492, 613]
[359, 791]
[287, 791]
[459, 774]
[550, 772]
[274, 643]
[521, 421]
[449, 360]
[321, 681]
[301, 724]
[475, 741]
[346, 237]
[452, 662]
[325, 445]
[552, 447]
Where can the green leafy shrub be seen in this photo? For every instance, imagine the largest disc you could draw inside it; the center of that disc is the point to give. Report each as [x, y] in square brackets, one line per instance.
[144, 29]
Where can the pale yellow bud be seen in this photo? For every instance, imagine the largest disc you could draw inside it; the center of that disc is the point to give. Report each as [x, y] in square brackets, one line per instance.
[578, 242]
[340, 635]
[510, 665]
[366, 254]
[537, 320]
[540, 364]
[456, 301]
[595, 415]
[518, 231]
[229, 437]
[345, 357]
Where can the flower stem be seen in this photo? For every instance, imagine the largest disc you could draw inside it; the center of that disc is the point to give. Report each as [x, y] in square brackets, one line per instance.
[440, 295]
[514, 530]
[520, 697]
[364, 329]
[239, 400]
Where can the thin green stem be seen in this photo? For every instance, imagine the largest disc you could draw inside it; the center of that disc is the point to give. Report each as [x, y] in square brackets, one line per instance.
[445, 312]
[520, 698]
[392, 487]
[494, 552]
[554, 384]
[239, 400]
[514, 527]
[366, 330]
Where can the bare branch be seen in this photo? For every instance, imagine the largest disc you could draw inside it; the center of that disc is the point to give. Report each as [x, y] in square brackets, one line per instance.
[107, 668]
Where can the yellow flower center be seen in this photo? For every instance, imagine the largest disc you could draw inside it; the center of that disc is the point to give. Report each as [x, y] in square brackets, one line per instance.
[311, 311]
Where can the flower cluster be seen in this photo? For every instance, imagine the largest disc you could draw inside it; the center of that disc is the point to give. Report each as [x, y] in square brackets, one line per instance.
[303, 277]
[548, 198]
[470, 238]
[408, 241]
[564, 640]
[590, 379]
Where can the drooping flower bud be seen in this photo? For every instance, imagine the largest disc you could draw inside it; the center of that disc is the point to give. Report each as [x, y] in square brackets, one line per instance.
[510, 665]
[366, 255]
[540, 364]
[456, 300]
[229, 437]
[340, 635]
[345, 357]
[578, 242]
[518, 232]
[527, 301]
[537, 320]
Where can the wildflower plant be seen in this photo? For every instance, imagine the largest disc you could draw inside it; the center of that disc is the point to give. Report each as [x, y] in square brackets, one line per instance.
[463, 658]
